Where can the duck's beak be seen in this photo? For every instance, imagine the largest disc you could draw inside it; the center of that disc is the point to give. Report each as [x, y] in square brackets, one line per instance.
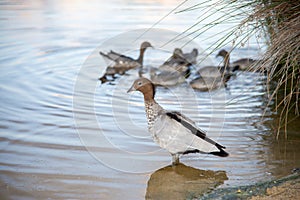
[131, 89]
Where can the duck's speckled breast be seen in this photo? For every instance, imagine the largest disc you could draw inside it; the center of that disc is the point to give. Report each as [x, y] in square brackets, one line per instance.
[152, 110]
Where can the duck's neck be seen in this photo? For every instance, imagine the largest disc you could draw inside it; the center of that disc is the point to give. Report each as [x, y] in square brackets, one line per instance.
[152, 109]
[141, 56]
[226, 61]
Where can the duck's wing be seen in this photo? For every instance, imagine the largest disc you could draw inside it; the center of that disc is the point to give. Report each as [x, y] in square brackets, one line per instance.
[116, 57]
[177, 59]
[121, 57]
[210, 71]
[186, 122]
[191, 57]
[244, 61]
[105, 55]
[189, 124]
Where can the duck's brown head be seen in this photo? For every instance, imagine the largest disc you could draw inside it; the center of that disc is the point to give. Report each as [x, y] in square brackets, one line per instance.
[145, 86]
[222, 53]
[145, 45]
[195, 52]
[225, 55]
[177, 52]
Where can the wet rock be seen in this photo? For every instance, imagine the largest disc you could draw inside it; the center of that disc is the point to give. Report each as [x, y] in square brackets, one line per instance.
[284, 188]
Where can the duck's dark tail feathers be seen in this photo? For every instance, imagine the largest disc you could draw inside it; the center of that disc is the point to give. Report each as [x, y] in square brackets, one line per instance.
[220, 153]
[104, 55]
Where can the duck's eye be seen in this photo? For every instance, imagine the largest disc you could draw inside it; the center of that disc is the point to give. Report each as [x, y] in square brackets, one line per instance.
[139, 83]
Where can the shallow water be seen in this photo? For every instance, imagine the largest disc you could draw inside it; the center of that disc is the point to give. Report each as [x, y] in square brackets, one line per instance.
[66, 136]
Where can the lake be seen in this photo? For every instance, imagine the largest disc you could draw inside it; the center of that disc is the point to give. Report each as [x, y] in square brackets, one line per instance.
[64, 135]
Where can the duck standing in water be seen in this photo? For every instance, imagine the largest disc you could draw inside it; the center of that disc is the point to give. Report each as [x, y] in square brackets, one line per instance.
[124, 63]
[173, 131]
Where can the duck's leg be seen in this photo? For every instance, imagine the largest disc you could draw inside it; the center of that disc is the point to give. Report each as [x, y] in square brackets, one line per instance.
[175, 159]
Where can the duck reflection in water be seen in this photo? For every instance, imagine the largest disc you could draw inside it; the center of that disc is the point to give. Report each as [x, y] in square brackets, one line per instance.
[182, 182]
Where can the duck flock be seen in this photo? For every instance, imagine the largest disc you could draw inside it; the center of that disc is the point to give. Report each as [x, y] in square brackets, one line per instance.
[171, 130]
[177, 68]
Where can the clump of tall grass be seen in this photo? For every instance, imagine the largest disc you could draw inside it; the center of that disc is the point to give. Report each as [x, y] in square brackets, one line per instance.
[278, 23]
[282, 22]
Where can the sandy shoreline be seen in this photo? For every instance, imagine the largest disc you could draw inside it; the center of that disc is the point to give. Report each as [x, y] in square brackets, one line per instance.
[284, 188]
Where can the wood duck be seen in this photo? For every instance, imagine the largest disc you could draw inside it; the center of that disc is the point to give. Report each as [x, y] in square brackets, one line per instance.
[125, 61]
[172, 130]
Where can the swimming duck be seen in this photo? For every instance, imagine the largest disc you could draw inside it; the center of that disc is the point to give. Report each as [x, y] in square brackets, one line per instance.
[180, 61]
[179, 57]
[189, 57]
[168, 77]
[244, 63]
[212, 77]
[209, 83]
[241, 64]
[125, 61]
[112, 71]
[214, 71]
[172, 130]
[176, 62]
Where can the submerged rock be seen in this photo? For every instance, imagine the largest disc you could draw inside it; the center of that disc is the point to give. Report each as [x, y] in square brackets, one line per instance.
[284, 188]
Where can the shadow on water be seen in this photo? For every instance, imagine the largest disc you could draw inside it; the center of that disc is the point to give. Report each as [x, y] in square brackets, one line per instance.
[181, 182]
[283, 148]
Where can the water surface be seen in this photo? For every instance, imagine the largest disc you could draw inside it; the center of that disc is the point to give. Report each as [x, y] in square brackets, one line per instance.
[66, 136]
